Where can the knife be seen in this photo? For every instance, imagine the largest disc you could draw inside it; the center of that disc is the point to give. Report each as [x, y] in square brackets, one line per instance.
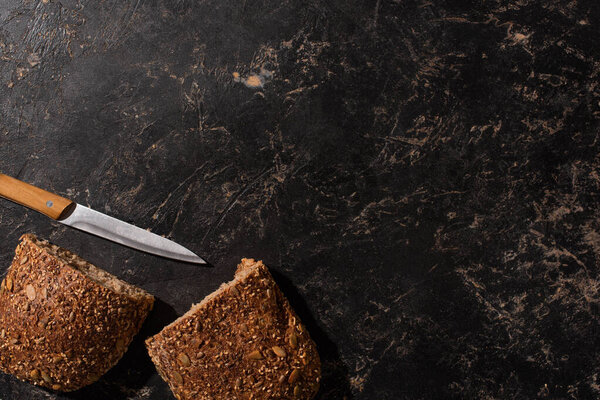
[77, 216]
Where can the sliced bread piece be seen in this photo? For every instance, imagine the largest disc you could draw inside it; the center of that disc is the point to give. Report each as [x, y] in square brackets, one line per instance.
[63, 321]
[244, 341]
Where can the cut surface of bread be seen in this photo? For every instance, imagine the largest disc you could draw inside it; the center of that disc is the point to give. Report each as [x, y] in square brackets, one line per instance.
[63, 321]
[243, 341]
[92, 272]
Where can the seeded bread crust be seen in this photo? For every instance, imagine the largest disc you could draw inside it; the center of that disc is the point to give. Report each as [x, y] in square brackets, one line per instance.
[243, 341]
[59, 328]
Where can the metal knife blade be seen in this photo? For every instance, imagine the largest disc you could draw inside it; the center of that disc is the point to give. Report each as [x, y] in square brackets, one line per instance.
[99, 224]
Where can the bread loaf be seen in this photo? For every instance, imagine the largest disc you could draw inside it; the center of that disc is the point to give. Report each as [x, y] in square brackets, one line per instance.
[63, 321]
[243, 341]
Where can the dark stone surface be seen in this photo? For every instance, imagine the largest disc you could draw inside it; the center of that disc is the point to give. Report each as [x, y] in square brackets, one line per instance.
[422, 177]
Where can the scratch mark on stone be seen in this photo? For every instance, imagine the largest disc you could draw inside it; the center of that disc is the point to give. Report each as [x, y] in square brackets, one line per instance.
[417, 284]
[447, 193]
[146, 126]
[160, 207]
[235, 199]
[18, 176]
[132, 15]
[376, 16]
[561, 251]
[180, 210]
[216, 173]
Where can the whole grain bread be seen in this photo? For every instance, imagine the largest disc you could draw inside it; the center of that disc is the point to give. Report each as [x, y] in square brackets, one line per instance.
[243, 341]
[63, 321]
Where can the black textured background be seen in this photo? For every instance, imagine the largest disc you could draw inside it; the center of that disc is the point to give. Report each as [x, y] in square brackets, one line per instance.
[422, 177]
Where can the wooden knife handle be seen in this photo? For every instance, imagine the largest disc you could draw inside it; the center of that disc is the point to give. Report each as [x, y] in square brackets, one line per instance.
[33, 197]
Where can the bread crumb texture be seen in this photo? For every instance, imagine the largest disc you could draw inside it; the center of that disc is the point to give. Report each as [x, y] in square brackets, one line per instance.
[242, 342]
[59, 328]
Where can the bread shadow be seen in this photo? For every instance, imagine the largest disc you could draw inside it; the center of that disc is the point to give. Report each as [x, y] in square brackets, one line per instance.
[132, 372]
[335, 383]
